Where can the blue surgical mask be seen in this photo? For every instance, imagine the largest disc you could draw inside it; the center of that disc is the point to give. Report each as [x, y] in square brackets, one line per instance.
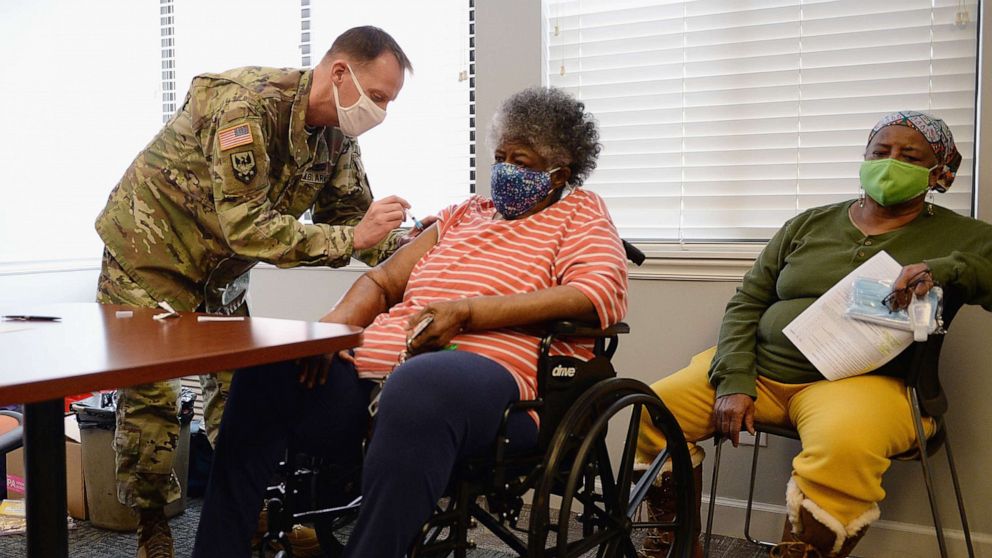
[516, 189]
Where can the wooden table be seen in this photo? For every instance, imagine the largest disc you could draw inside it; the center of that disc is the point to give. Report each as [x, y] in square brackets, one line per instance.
[92, 348]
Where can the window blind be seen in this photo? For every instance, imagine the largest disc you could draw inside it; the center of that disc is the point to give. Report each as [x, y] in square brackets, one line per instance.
[721, 119]
[215, 36]
[423, 151]
[74, 131]
[80, 87]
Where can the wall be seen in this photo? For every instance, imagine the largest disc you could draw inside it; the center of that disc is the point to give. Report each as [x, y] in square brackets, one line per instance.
[21, 286]
[671, 320]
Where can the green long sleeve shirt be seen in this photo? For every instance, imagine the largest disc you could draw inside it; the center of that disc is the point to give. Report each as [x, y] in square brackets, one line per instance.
[811, 253]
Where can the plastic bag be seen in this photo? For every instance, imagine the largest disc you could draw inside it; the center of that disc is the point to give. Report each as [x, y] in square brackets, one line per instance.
[866, 304]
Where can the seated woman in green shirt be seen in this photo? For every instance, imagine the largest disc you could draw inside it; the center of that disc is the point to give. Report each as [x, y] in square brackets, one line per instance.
[851, 427]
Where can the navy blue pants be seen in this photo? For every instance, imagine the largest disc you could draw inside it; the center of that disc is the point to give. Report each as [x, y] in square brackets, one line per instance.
[435, 409]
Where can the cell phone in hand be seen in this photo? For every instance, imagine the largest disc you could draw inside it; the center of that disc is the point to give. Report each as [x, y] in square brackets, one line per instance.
[420, 327]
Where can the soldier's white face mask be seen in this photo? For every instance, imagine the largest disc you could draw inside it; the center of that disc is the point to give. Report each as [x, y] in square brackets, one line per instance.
[361, 116]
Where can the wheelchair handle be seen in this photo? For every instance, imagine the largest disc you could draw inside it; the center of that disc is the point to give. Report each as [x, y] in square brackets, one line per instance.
[633, 253]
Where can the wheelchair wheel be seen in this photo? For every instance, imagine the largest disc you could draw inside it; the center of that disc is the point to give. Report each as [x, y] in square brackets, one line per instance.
[601, 488]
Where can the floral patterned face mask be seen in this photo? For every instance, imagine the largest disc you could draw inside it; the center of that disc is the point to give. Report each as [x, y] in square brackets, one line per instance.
[516, 189]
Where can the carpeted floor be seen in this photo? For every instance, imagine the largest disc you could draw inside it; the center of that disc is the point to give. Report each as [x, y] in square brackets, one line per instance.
[87, 541]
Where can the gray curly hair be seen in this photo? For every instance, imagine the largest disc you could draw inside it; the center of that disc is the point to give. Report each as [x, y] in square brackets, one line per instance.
[554, 124]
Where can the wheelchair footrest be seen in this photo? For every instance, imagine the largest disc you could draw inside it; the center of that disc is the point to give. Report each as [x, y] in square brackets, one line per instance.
[329, 513]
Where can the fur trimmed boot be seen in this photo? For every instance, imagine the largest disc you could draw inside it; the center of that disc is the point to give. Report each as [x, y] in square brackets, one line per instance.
[811, 532]
[660, 505]
[302, 539]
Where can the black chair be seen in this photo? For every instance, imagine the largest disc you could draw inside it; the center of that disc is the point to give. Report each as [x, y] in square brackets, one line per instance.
[11, 429]
[578, 404]
[927, 399]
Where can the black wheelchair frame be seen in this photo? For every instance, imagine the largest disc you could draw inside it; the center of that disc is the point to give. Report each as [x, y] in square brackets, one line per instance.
[578, 403]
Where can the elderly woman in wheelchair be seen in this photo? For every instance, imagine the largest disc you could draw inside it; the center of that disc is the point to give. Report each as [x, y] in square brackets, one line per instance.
[448, 340]
[850, 428]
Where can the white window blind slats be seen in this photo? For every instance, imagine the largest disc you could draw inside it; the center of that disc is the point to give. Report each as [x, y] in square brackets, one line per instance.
[71, 133]
[433, 109]
[722, 119]
[124, 70]
[209, 38]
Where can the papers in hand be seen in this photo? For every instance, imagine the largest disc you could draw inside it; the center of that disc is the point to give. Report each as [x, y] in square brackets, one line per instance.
[840, 347]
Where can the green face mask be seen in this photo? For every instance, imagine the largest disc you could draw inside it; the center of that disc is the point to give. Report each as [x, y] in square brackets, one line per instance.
[891, 182]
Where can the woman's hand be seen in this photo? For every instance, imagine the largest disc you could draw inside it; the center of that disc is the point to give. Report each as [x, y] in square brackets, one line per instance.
[313, 370]
[450, 318]
[732, 411]
[915, 278]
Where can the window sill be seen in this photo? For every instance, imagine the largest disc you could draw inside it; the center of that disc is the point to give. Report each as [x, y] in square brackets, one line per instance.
[49, 266]
[695, 262]
[665, 262]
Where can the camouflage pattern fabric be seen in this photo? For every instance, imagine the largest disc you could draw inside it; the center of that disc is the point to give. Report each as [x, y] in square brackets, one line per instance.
[215, 388]
[220, 188]
[222, 185]
[147, 425]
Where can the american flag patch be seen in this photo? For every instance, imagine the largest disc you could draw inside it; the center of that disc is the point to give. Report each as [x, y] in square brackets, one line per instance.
[234, 136]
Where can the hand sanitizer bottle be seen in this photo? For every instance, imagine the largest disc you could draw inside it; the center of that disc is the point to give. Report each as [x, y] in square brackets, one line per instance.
[920, 309]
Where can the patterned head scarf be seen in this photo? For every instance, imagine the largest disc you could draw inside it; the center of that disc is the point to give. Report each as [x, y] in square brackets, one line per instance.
[937, 134]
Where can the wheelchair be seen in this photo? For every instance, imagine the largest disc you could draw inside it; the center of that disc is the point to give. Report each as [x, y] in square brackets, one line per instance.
[584, 498]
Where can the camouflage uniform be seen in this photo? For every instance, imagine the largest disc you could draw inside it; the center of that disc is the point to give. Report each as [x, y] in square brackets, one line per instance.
[220, 188]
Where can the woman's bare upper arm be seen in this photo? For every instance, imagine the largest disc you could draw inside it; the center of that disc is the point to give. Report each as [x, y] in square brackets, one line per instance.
[392, 275]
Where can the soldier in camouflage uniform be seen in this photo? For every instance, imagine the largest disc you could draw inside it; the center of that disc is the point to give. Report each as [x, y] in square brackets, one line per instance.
[222, 187]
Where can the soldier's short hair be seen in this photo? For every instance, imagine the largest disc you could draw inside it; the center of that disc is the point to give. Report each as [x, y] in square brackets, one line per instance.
[366, 43]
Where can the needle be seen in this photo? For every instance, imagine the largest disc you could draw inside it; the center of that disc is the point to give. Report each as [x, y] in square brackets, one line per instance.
[416, 222]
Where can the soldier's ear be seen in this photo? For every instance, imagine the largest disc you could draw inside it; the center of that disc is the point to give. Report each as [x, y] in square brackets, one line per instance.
[338, 69]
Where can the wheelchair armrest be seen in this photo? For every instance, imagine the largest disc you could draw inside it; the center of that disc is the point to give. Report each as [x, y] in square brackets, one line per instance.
[502, 440]
[12, 439]
[569, 328]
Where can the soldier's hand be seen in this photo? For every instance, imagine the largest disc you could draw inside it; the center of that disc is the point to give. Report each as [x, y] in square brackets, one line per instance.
[382, 217]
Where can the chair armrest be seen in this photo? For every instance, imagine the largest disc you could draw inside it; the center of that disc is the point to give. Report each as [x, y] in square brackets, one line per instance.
[9, 441]
[568, 328]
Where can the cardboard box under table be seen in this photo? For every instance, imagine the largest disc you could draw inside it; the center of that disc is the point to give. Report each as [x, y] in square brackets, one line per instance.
[75, 487]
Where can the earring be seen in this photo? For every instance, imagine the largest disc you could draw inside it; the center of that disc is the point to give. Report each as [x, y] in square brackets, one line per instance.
[861, 196]
[930, 196]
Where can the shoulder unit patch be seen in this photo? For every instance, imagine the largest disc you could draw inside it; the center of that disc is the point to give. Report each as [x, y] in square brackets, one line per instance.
[243, 166]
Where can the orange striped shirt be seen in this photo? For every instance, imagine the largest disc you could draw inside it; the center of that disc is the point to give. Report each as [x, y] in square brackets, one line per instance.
[573, 242]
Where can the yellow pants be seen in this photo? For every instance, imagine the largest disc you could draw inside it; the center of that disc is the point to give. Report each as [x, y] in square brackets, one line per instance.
[849, 429]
